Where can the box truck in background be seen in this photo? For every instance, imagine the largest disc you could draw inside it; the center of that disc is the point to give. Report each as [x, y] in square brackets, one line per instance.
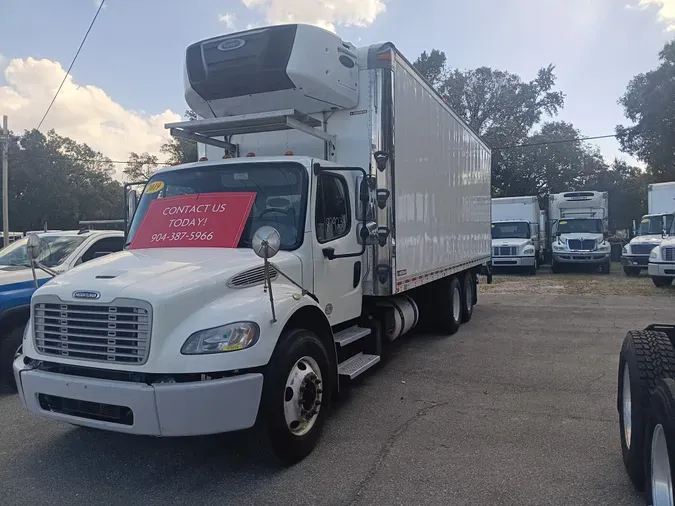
[260, 280]
[651, 229]
[516, 240]
[579, 224]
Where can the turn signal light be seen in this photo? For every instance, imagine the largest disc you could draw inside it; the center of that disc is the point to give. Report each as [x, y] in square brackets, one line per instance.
[203, 159]
[250, 154]
[289, 153]
[227, 156]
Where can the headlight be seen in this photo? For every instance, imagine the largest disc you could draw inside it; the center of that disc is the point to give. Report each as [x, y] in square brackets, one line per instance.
[231, 337]
[558, 247]
[653, 255]
[625, 250]
[604, 246]
[528, 250]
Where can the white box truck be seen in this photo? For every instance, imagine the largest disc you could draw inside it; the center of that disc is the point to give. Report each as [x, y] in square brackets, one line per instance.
[652, 228]
[579, 222]
[339, 202]
[515, 233]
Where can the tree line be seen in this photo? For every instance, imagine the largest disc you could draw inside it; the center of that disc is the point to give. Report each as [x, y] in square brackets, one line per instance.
[57, 180]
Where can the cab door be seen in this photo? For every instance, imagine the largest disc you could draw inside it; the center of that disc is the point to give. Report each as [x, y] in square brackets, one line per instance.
[337, 281]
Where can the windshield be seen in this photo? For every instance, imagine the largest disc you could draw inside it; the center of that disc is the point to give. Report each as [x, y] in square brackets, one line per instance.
[580, 226]
[55, 249]
[511, 230]
[280, 195]
[652, 225]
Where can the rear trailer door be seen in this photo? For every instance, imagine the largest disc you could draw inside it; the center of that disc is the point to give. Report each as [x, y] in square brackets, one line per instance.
[441, 186]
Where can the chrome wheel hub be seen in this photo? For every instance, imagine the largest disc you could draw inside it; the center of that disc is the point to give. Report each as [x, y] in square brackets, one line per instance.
[627, 407]
[661, 478]
[302, 396]
[456, 304]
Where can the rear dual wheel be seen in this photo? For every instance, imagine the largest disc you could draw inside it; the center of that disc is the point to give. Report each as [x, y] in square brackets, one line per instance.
[454, 302]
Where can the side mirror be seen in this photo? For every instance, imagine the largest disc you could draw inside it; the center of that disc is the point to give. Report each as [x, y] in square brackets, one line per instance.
[132, 202]
[558, 234]
[33, 247]
[266, 242]
[534, 238]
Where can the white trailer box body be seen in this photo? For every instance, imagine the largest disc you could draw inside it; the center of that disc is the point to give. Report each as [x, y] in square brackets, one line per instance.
[349, 193]
[661, 198]
[579, 221]
[515, 232]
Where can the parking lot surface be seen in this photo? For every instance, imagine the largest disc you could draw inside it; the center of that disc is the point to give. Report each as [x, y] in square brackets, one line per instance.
[518, 408]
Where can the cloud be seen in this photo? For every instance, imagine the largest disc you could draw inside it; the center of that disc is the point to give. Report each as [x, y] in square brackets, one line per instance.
[324, 13]
[83, 113]
[666, 11]
[228, 19]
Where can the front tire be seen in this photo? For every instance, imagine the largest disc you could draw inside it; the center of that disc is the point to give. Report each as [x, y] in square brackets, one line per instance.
[646, 357]
[606, 267]
[659, 459]
[10, 344]
[555, 267]
[298, 385]
[661, 281]
[632, 272]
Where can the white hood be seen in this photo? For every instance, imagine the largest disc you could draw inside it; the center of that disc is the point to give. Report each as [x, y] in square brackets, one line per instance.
[647, 239]
[159, 275]
[517, 242]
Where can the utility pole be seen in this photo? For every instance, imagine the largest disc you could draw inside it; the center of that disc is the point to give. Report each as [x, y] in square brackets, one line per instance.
[5, 181]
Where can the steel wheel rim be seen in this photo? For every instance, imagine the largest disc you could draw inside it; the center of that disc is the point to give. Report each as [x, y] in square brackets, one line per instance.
[302, 396]
[627, 407]
[456, 304]
[468, 291]
[661, 478]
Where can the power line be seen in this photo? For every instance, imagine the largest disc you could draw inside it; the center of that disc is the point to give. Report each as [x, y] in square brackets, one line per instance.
[72, 63]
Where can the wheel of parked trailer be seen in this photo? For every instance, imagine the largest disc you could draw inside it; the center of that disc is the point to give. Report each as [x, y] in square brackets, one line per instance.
[297, 388]
[448, 314]
[10, 344]
[468, 289]
[646, 357]
[659, 461]
[631, 272]
[662, 281]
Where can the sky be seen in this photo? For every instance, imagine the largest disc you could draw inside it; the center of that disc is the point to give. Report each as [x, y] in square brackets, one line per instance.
[128, 79]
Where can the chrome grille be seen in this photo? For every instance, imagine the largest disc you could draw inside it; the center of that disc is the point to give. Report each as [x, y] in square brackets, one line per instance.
[581, 245]
[252, 277]
[117, 332]
[641, 249]
[504, 251]
[668, 254]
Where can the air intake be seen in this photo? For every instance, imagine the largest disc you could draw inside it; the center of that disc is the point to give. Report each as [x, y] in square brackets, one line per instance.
[252, 277]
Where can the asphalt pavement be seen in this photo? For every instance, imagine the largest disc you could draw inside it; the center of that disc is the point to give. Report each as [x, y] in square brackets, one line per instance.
[518, 408]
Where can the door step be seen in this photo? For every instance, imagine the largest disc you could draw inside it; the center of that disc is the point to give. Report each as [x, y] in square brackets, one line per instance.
[357, 365]
[351, 334]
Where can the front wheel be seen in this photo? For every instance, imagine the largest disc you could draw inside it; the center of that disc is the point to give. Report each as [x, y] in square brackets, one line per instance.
[632, 272]
[10, 347]
[606, 267]
[661, 281]
[298, 384]
[555, 267]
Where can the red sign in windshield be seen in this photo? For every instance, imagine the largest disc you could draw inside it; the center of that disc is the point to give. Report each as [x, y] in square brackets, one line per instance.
[206, 220]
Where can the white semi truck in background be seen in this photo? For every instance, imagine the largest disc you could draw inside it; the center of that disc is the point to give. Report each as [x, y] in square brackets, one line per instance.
[516, 239]
[579, 227]
[652, 227]
[339, 202]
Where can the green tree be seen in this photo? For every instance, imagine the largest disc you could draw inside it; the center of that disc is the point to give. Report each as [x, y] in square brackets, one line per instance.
[181, 150]
[140, 167]
[649, 103]
[56, 180]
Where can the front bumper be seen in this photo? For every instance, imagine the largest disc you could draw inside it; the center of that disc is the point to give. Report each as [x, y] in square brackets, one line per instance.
[662, 270]
[635, 261]
[160, 409]
[578, 257]
[528, 261]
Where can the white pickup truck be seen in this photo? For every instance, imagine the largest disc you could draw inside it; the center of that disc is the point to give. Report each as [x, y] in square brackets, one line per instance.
[261, 279]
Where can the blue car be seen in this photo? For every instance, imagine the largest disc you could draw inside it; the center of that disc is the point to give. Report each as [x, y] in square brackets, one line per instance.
[61, 251]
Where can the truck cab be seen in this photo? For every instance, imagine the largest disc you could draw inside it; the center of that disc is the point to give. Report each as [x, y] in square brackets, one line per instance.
[648, 235]
[579, 229]
[514, 245]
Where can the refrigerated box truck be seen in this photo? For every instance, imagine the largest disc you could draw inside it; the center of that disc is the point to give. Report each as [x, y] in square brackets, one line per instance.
[339, 202]
[651, 229]
[579, 225]
[515, 233]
